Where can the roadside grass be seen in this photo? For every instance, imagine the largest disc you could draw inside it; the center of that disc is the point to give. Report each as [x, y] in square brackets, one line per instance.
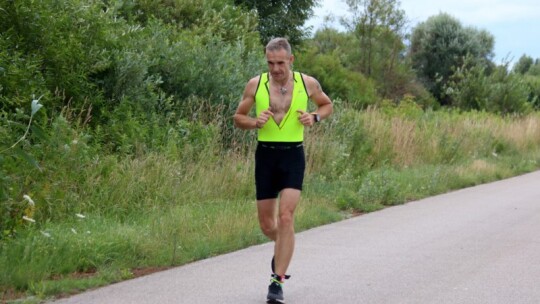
[63, 258]
[103, 219]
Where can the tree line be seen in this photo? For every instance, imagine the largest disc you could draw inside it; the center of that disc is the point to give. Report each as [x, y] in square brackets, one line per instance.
[131, 73]
[440, 62]
[153, 55]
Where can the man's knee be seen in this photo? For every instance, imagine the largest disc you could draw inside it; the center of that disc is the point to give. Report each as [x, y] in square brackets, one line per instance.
[289, 200]
[267, 217]
[286, 219]
[268, 227]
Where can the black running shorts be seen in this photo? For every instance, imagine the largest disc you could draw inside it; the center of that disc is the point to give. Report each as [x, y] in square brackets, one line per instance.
[278, 166]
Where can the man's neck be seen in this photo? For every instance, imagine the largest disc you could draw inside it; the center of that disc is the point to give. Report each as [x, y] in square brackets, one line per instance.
[284, 81]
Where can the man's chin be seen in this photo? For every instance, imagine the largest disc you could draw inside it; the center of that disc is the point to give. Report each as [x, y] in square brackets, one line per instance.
[277, 76]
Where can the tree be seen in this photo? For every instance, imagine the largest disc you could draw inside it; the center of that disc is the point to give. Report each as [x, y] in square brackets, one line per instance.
[533, 83]
[441, 44]
[476, 87]
[535, 68]
[281, 18]
[323, 57]
[379, 26]
[523, 65]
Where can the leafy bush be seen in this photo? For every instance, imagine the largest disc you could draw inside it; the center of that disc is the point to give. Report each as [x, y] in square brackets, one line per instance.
[62, 42]
[84, 56]
[440, 44]
[20, 76]
[535, 68]
[336, 80]
[473, 88]
[208, 68]
[533, 83]
[17, 155]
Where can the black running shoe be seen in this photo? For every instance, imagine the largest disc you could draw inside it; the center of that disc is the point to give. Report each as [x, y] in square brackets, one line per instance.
[275, 292]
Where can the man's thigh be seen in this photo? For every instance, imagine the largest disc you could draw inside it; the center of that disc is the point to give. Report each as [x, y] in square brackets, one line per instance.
[266, 209]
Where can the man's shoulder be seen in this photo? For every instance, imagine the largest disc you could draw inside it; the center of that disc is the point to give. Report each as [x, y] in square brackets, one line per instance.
[252, 84]
[256, 79]
[308, 80]
[306, 77]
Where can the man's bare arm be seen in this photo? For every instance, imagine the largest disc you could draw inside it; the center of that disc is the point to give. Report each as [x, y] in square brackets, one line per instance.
[323, 102]
[241, 117]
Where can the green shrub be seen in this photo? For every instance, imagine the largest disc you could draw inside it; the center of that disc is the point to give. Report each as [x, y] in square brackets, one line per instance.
[20, 75]
[533, 83]
[472, 88]
[83, 56]
[61, 44]
[336, 80]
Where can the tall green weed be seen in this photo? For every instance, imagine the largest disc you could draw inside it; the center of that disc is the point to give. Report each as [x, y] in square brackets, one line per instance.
[386, 156]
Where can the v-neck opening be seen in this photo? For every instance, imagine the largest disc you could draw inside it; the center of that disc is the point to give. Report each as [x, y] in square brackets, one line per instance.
[284, 120]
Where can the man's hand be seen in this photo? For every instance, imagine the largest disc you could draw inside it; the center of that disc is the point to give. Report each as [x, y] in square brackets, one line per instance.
[263, 118]
[305, 118]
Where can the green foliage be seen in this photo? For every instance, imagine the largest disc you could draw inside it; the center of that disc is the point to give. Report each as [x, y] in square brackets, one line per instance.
[336, 56]
[20, 76]
[325, 57]
[441, 44]
[219, 18]
[472, 88]
[183, 13]
[135, 148]
[535, 68]
[356, 151]
[56, 166]
[58, 155]
[16, 154]
[523, 65]
[377, 46]
[209, 69]
[63, 43]
[138, 85]
[533, 83]
[283, 18]
[401, 152]
[98, 213]
[379, 29]
[336, 80]
[104, 57]
[351, 200]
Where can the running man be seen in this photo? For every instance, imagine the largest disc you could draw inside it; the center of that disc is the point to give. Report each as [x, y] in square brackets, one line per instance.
[281, 101]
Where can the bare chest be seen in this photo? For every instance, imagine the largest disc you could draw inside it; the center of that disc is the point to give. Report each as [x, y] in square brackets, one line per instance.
[280, 103]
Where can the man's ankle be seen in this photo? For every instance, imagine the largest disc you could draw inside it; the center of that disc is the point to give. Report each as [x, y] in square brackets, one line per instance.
[280, 278]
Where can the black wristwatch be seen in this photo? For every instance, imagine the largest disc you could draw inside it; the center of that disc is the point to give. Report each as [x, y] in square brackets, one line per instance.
[317, 117]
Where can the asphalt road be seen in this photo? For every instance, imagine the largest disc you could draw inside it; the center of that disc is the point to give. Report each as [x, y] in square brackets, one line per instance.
[476, 245]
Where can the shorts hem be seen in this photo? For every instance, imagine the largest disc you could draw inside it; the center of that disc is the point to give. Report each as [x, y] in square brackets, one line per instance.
[272, 196]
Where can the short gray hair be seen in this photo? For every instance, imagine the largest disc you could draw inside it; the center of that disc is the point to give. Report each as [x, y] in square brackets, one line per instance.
[277, 44]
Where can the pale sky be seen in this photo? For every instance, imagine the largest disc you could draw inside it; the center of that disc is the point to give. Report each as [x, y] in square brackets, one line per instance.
[515, 24]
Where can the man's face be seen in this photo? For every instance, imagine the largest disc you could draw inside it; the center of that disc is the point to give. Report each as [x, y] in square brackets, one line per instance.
[279, 64]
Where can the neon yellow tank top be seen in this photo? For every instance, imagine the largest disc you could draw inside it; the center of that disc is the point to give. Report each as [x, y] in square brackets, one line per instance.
[290, 129]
